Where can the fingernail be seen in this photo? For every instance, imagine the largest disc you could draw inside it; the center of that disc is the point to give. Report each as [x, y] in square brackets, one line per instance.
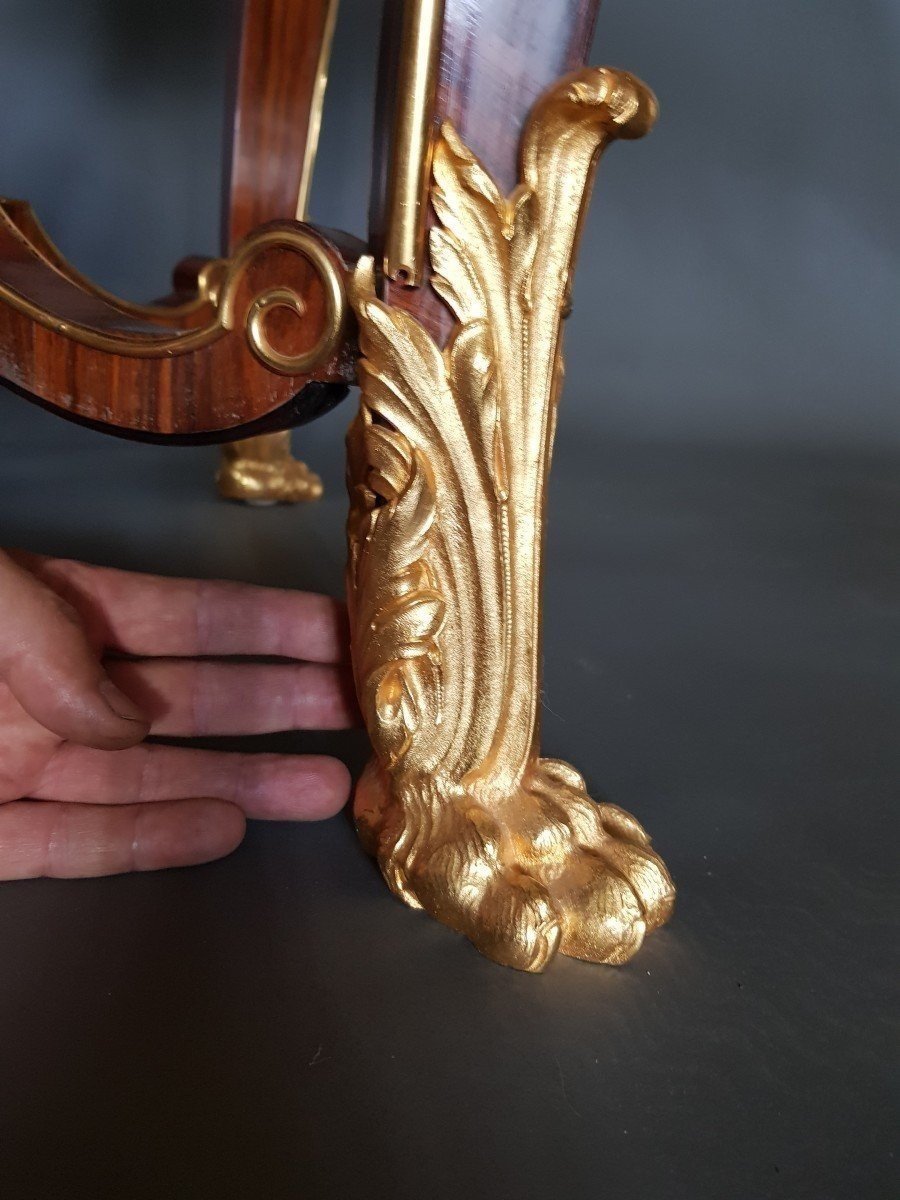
[119, 702]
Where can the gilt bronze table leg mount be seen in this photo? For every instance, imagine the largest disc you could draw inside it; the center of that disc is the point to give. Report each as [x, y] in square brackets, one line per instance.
[447, 469]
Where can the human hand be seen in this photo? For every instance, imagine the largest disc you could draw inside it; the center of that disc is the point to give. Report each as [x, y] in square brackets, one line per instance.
[79, 795]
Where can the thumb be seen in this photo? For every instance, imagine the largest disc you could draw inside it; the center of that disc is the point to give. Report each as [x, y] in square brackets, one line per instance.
[47, 663]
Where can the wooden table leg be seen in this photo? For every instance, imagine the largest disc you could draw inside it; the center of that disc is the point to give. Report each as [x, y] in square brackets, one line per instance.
[283, 56]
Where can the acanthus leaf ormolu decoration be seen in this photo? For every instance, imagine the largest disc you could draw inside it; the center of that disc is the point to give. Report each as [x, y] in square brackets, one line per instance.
[447, 469]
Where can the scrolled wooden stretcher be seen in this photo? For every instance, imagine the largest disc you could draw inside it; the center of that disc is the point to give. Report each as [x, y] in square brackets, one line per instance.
[488, 131]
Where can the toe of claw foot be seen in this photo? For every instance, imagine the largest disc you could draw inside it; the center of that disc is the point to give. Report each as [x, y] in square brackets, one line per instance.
[604, 921]
[517, 924]
[610, 887]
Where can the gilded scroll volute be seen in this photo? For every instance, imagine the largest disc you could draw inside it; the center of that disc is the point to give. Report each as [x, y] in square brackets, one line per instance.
[447, 469]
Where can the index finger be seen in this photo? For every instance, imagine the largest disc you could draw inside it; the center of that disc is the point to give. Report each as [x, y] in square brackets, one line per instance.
[153, 616]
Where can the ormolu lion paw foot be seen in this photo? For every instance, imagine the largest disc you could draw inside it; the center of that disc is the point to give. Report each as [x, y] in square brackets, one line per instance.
[262, 471]
[546, 870]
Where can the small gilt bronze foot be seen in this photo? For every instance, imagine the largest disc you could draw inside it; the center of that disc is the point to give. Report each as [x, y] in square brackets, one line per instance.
[262, 471]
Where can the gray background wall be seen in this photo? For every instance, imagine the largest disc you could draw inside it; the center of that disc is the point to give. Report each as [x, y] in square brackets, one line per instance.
[740, 277]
